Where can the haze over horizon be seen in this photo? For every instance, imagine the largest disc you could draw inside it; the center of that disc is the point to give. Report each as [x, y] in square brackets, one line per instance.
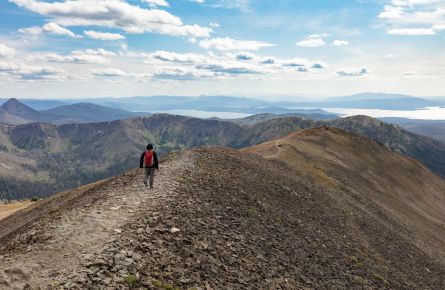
[115, 48]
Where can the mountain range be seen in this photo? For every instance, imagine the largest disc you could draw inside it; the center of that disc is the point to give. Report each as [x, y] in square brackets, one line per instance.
[376, 101]
[39, 159]
[248, 105]
[432, 128]
[317, 209]
[15, 112]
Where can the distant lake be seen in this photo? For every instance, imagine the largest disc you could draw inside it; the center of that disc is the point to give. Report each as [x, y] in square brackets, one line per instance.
[205, 114]
[430, 113]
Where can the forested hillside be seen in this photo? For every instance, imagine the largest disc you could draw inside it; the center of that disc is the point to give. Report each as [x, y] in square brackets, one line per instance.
[39, 159]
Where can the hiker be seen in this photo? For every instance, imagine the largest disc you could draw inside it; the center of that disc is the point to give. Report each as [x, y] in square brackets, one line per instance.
[149, 161]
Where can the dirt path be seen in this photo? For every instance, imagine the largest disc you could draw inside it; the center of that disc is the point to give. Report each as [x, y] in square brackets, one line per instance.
[84, 231]
[10, 208]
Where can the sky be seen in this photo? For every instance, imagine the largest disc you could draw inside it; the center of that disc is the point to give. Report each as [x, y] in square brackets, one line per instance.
[269, 49]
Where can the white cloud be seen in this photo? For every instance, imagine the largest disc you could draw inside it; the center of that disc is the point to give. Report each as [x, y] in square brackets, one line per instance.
[103, 35]
[109, 72]
[416, 75]
[340, 42]
[54, 28]
[180, 74]
[296, 62]
[32, 73]
[414, 17]
[214, 24]
[50, 28]
[268, 60]
[353, 72]
[231, 68]
[99, 51]
[6, 51]
[73, 58]
[113, 14]
[88, 56]
[414, 2]
[178, 57]
[314, 40]
[319, 64]
[242, 5]
[227, 44]
[246, 56]
[439, 27]
[410, 73]
[155, 3]
[34, 30]
[412, 31]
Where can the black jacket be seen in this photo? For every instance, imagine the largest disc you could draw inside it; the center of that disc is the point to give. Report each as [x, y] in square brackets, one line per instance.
[155, 161]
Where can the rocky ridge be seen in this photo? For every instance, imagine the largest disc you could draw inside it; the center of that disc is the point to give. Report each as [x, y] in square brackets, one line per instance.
[217, 219]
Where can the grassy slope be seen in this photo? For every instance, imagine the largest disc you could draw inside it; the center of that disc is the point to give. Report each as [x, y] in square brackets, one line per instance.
[363, 168]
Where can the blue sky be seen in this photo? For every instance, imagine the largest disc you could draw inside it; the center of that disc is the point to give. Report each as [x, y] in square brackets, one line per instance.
[282, 49]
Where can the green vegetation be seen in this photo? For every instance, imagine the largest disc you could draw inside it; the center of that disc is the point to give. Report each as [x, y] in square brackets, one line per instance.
[34, 199]
[251, 211]
[355, 261]
[131, 281]
[381, 279]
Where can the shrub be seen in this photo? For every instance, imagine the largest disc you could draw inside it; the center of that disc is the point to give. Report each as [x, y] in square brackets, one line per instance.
[131, 281]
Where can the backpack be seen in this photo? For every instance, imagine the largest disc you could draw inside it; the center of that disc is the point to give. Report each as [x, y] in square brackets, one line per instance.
[148, 159]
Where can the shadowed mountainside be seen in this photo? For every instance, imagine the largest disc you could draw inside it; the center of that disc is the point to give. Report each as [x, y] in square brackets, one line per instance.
[431, 128]
[233, 219]
[39, 159]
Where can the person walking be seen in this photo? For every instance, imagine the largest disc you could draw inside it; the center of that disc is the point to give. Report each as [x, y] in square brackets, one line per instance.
[149, 161]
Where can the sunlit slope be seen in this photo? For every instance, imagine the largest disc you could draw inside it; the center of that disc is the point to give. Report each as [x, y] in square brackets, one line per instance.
[364, 169]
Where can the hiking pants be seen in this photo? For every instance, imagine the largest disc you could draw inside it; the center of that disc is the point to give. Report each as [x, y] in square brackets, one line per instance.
[149, 174]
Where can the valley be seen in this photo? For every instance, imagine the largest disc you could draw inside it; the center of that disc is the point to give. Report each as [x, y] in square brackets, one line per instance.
[39, 159]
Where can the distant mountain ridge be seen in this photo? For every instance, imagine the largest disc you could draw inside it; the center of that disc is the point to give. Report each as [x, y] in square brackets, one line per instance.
[15, 112]
[375, 101]
[40, 159]
[431, 128]
[87, 112]
[250, 105]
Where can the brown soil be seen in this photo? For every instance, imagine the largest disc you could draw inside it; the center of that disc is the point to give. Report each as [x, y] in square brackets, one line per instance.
[10, 208]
